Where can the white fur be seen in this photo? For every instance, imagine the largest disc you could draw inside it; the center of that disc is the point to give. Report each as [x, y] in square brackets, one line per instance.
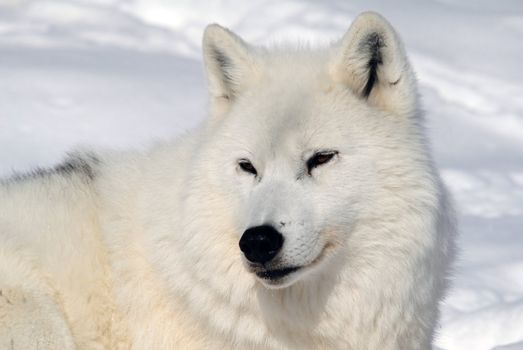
[141, 250]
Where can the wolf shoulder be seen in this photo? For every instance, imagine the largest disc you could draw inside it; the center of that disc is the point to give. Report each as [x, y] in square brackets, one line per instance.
[80, 184]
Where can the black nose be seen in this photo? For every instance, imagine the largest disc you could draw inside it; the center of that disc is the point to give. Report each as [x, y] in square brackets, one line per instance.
[261, 243]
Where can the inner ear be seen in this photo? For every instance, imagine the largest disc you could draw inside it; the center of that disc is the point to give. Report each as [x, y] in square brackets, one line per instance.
[225, 72]
[372, 49]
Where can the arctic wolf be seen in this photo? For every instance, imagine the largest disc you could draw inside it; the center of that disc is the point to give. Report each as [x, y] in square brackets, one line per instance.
[305, 213]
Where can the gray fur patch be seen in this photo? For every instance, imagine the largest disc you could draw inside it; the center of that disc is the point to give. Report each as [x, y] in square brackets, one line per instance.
[84, 165]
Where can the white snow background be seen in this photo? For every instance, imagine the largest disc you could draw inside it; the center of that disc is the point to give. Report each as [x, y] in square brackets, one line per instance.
[122, 73]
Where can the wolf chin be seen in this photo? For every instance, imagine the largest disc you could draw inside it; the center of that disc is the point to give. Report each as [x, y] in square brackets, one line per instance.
[305, 213]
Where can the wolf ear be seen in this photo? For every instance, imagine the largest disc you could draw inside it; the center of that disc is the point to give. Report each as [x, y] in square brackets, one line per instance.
[371, 61]
[229, 64]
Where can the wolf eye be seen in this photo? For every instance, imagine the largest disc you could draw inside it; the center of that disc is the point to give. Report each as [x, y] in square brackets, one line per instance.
[320, 158]
[247, 166]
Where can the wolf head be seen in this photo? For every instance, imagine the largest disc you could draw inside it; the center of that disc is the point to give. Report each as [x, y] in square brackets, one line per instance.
[307, 145]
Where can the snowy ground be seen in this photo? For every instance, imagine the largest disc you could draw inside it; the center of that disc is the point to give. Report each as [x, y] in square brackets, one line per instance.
[121, 73]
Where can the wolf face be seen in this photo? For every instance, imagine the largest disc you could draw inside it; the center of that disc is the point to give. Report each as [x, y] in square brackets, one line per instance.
[298, 139]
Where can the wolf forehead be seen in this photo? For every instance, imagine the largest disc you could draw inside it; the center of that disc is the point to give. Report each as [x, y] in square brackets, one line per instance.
[286, 74]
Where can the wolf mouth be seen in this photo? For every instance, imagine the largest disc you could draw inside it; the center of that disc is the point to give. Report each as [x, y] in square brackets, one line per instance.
[276, 274]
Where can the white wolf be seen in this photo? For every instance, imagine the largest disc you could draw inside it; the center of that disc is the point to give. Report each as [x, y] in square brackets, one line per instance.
[305, 213]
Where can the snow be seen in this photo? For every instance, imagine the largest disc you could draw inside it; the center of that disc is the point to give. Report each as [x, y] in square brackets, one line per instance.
[121, 73]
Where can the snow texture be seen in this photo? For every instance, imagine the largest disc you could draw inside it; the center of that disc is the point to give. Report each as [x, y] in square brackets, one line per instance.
[121, 73]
